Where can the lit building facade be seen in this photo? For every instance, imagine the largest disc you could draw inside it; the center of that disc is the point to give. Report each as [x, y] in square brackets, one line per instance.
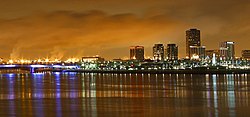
[158, 52]
[192, 39]
[92, 59]
[172, 52]
[197, 52]
[209, 53]
[245, 54]
[227, 51]
[137, 53]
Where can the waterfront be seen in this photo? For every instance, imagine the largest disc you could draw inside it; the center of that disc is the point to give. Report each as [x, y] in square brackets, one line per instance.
[96, 94]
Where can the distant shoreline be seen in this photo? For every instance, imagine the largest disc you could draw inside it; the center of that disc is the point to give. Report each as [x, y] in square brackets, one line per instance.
[192, 71]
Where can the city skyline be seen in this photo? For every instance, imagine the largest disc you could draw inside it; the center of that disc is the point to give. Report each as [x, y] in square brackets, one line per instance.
[62, 29]
[134, 58]
[160, 52]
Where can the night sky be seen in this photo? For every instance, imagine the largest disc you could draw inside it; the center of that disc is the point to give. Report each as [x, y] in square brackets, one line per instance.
[76, 28]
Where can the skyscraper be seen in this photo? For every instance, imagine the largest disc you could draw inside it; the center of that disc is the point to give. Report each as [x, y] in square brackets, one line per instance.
[172, 52]
[137, 53]
[158, 52]
[227, 51]
[192, 39]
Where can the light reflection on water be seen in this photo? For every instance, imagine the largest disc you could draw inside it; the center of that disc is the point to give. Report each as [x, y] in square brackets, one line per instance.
[91, 94]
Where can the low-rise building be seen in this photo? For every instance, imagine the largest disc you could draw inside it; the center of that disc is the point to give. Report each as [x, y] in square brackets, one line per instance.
[245, 54]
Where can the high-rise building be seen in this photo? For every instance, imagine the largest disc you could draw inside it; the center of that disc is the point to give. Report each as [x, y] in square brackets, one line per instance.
[172, 52]
[197, 52]
[245, 54]
[192, 39]
[223, 53]
[137, 53]
[227, 51]
[158, 52]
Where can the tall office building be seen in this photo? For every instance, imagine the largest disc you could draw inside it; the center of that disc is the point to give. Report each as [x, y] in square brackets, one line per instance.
[245, 54]
[137, 53]
[227, 51]
[172, 52]
[197, 52]
[192, 39]
[223, 53]
[158, 52]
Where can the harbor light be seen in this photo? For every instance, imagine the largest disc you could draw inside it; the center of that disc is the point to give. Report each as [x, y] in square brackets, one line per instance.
[11, 61]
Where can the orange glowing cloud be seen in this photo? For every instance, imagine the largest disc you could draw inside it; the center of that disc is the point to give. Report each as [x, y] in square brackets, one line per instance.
[63, 28]
[64, 33]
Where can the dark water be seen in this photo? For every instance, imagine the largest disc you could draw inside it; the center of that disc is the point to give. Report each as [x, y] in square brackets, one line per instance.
[90, 94]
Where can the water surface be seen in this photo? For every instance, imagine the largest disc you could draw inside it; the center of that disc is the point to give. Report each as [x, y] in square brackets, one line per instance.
[93, 94]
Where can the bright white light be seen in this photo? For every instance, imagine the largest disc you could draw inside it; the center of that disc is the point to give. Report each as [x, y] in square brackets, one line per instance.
[9, 65]
[229, 42]
[195, 56]
[46, 60]
[22, 61]
[71, 67]
[37, 65]
[57, 66]
[11, 61]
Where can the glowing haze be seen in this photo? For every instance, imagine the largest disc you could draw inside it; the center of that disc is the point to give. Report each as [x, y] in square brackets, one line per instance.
[75, 28]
